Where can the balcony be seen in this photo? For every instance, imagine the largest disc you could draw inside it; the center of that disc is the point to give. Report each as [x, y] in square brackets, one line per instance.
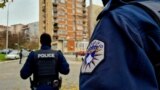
[84, 5]
[44, 15]
[55, 4]
[55, 10]
[84, 17]
[55, 16]
[55, 24]
[55, 30]
[44, 21]
[44, 27]
[43, 5]
[55, 37]
[43, 9]
[25, 27]
[84, 10]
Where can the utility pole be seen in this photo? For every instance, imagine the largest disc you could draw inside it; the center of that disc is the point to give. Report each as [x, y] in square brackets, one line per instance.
[7, 26]
[90, 22]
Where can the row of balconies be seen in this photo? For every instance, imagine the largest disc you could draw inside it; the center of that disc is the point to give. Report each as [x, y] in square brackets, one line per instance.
[58, 37]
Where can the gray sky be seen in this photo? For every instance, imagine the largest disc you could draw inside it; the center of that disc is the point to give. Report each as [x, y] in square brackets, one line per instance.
[24, 11]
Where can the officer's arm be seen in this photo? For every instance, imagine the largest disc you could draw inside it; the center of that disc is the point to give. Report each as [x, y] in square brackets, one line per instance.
[63, 64]
[26, 70]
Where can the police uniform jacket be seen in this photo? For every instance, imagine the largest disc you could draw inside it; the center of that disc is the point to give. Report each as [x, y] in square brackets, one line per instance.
[27, 69]
[124, 43]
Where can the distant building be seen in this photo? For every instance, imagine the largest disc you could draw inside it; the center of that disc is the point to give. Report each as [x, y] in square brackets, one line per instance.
[2, 36]
[28, 32]
[2, 28]
[96, 9]
[69, 22]
[16, 28]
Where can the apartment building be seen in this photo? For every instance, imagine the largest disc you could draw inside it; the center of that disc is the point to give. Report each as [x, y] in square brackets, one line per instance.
[69, 20]
[96, 9]
[2, 28]
[45, 17]
[16, 28]
[2, 36]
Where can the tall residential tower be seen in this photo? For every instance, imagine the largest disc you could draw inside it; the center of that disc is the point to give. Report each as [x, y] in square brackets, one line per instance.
[66, 21]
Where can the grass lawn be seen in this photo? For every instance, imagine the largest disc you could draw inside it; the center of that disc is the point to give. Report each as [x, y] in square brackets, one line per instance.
[2, 57]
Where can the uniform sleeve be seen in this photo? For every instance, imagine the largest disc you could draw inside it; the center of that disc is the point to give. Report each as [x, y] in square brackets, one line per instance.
[27, 69]
[116, 58]
[63, 65]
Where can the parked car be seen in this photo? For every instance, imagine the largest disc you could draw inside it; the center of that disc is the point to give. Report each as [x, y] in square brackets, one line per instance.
[6, 51]
[13, 55]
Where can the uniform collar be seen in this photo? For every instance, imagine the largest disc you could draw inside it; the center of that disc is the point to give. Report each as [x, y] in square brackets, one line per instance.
[109, 6]
[112, 4]
[45, 47]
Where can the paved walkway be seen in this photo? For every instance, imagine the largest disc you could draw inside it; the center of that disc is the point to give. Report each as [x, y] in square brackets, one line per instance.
[10, 78]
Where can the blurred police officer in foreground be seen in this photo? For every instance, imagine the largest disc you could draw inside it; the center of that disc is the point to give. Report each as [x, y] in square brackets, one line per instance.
[123, 45]
[45, 65]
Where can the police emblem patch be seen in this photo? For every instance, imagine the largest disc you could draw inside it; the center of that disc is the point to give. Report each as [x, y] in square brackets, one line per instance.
[94, 55]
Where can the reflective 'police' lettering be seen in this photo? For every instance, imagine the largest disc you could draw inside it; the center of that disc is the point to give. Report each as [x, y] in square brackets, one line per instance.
[49, 55]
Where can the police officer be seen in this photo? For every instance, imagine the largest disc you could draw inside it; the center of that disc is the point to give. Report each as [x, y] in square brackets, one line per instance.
[45, 65]
[123, 45]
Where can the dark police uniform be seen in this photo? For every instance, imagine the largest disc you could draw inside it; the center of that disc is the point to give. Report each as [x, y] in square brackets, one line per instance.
[121, 48]
[45, 65]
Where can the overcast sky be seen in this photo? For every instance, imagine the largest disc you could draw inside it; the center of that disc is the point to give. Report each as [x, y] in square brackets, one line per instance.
[24, 11]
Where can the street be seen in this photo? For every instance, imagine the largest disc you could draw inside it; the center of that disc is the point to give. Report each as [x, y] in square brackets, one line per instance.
[10, 78]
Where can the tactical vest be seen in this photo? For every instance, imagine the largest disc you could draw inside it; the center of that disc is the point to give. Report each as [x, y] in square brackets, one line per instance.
[45, 66]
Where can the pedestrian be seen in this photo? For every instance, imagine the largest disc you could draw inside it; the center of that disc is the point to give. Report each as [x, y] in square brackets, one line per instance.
[45, 65]
[122, 49]
[20, 56]
[76, 55]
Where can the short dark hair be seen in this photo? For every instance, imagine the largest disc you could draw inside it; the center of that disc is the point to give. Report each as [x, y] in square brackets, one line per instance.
[45, 39]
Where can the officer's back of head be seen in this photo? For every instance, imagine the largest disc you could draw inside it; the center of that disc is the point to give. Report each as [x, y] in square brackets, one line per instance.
[45, 39]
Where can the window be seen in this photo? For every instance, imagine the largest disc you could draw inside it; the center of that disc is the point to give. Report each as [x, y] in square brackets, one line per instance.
[61, 13]
[60, 25]
[79, 5]
[79, 10]
[80, 22]
[79, 27]
[62, 1]
[79, 0]
[62, 32]
[61, 19]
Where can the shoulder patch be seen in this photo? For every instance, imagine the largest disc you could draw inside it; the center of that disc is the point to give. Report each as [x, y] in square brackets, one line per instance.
[94, 55]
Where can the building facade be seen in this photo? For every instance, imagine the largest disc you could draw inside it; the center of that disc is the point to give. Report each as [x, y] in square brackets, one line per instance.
[2, 36]
[45, 17]
[96, 9]
[16, 28]
[69, 20]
